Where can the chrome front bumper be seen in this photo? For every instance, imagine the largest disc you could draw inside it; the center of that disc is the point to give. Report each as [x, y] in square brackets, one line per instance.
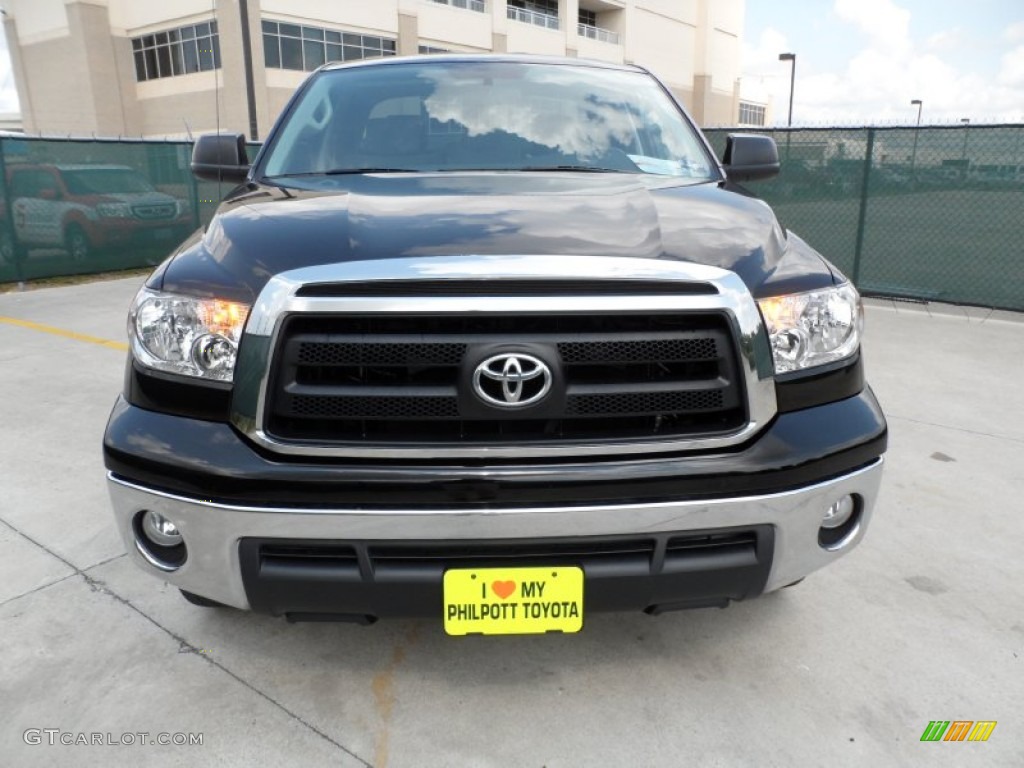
[212, 531]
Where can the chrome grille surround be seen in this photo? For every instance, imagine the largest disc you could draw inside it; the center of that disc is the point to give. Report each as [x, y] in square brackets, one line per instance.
[279, 299]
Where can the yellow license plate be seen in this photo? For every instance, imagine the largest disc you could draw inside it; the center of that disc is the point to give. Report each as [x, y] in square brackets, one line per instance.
[513, 601]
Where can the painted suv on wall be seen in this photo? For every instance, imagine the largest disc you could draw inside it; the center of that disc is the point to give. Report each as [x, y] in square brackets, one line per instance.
[86, 208]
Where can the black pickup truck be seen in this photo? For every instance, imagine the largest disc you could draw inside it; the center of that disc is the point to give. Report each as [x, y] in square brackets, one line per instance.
[498, 341]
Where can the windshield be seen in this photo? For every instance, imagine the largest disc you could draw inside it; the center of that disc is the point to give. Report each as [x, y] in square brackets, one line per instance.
[473, 115]
[92, 181]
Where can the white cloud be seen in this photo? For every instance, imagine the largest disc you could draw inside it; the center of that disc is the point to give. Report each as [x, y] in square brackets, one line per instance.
[884, 22]
[1011, 71]
[946, 41]
[761, 67]
[876, 85]
[1014, 33]
[762, 57]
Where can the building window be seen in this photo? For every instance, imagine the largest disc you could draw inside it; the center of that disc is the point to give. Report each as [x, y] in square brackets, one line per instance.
[594, 25]
[432, 49]
[751, 114]
[587, 26]
[181, 51]
[542, 13]
[290, 46]
[473, 5]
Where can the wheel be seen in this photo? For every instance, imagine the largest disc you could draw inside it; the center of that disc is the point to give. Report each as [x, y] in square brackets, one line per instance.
[203, 602]
[77, 243]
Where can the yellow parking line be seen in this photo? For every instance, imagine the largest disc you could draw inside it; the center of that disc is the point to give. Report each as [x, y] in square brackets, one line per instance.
[118, 345]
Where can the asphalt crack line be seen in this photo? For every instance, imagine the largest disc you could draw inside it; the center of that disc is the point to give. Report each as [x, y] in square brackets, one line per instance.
[40, 588]
[894, 417]
[104, 562]
[52, 554]
[100, 586]
[184, 646]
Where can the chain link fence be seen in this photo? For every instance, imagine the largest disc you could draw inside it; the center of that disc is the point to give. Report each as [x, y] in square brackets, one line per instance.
[81, 206]
[934, 213]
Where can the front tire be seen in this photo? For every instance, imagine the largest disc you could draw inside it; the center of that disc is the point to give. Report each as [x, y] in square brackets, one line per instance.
[77, 244]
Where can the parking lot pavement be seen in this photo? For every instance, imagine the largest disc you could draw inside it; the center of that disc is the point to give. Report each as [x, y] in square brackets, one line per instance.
[925, 621]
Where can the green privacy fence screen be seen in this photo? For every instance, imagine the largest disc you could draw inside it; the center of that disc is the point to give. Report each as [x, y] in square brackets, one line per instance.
[935, 213]
[79, 206]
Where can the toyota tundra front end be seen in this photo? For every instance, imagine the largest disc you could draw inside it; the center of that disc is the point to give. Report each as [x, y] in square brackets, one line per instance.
[494, 341]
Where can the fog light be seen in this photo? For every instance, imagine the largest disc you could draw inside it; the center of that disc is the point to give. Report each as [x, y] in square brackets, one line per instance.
[837, 515]
[160, 530]
[840, 523]
[159, 541]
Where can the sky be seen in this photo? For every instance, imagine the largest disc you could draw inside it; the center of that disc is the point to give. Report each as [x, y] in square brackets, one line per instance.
[8, 92]
[861, 62]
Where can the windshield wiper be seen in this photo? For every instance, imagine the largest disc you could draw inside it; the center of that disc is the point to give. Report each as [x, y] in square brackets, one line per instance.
[525, 169]
[343, 172]
[582, 168]
[355, 171]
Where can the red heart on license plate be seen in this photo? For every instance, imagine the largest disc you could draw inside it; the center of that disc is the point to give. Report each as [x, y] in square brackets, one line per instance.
[503, 588]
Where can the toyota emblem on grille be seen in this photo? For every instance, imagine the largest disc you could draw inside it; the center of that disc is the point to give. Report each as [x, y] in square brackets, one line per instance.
[512, 380]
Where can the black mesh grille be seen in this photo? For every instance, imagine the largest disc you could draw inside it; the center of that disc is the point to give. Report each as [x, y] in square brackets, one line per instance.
[638, 403]
[667, 350]
[328, 353]
[400, 408]
[407, 380]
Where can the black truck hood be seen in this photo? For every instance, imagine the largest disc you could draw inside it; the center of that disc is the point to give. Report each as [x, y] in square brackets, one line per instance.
[261, 230]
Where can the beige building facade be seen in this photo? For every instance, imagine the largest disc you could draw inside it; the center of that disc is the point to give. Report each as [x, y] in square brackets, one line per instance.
[174, 68]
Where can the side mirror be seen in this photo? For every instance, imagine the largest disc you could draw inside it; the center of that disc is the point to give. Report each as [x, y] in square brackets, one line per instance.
[220, 157]
[48, 193]
[749, 156]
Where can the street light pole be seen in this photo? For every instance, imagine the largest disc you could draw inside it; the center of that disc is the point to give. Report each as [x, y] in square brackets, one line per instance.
[250, 88]
[791, 58]
[913, 155]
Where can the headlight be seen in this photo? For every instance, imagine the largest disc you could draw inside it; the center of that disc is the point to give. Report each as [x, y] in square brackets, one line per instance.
[813, 328]
[114, 210]
[186, 335]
